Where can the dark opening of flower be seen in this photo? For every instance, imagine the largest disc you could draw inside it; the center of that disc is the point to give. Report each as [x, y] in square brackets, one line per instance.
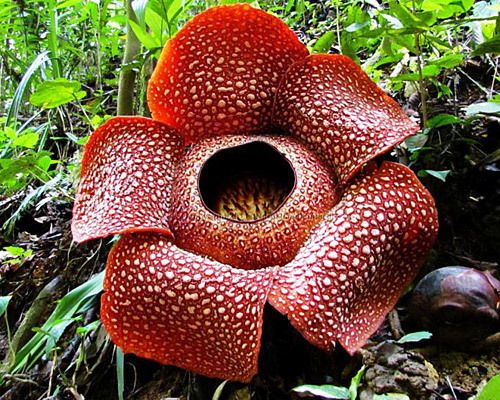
[247, 182]
[303, 220]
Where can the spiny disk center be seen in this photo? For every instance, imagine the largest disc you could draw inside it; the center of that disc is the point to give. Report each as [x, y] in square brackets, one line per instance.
[248, 198]
[246, 183]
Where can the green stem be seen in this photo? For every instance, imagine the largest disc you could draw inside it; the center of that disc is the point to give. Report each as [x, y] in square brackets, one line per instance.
[422, 90]
[127, 78]
[53, 42]
[421, 81]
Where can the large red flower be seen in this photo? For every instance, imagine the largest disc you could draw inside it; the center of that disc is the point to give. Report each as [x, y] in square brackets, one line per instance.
[275, 200]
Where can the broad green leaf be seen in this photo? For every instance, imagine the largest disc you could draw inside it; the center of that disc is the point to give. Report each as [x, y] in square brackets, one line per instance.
[44, 162]
[394, 23]
[487, 107]
[491, 46]
[4, 302]
[15, 251]
[491, 390]
[406, 16]
[448, 61]
[445, 8]
[324, 43]
[429, 71]
[442, 120]
[177, 6]
[415, 336]
[150, 42]
[441, 175]
[326, 391]
[416, 142]
[54, 93]
[27, 140]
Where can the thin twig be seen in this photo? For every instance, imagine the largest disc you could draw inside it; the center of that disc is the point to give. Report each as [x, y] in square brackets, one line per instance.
[395, 324]
[495, 72]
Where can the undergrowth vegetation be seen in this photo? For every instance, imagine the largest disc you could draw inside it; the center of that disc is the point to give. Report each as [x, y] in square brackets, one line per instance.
[67, 66]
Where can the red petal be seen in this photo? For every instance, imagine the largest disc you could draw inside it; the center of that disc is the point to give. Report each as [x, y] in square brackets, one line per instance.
[359, 259]
[174, 307]
[332, 105]
[272, 240]
[127, 171]
[218, 75]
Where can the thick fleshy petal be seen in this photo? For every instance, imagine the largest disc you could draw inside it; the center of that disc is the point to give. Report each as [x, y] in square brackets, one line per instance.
[273, 240]
[174, 307]
[219, 74]
[359, 259]
[126, 176]
[332, 105]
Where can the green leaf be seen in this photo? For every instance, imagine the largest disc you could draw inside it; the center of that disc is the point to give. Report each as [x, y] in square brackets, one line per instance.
[406, 16]
[391, 396]
[27, 140]
[84, 330]
[324, 43]
[76, 301]
[4, 302]
[144, 37]
[489, 46]
[14, 250]
[429, 71]
[357, 26]
[55, 93]
[355, 381]
[68, 3]
[326, 391]
[491, 390]
[442, 120]
[416, 142]
[218, 391]
[441, 175]
[487, 107]
[120, 373]
[13, 110]
[446, 8]
[448, 61]
[139, 7]
[415, 336]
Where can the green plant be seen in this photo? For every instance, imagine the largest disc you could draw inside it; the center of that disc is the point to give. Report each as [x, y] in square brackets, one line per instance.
[45, 339]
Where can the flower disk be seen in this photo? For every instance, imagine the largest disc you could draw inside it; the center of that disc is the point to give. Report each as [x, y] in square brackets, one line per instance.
[220, 72]
[330, 104]
[255, 243]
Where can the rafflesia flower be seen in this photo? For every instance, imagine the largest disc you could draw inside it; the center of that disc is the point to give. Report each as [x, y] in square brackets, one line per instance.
[252, 183]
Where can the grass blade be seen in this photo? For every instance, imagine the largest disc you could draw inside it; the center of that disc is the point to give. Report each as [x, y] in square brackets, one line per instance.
[75, 302]
[120, 365]
[13, 110]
